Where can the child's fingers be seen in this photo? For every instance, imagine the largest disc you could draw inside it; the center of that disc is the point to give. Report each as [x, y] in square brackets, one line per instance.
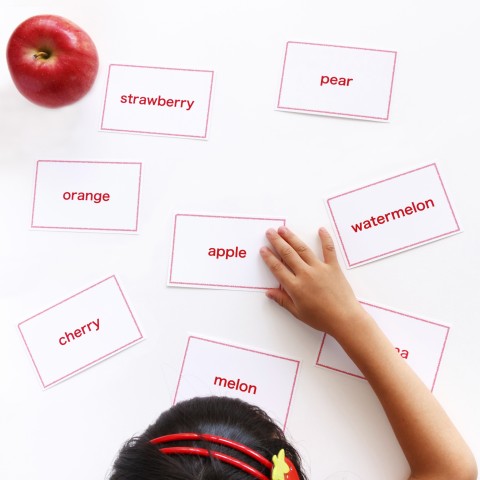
[328, 247]
[305, 253]
[281, 272]
[282, 298]
[285, 251]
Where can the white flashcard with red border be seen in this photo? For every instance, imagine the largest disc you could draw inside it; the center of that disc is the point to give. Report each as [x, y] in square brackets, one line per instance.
[87, 196]
[157, 101]
[79, 332]
[392, 215]
[337, 80]
[420, 342]
[212, 251]
[216, 368]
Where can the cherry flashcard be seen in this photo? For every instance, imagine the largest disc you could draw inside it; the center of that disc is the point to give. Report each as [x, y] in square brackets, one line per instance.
[79, 332]
[392, 215]
[157, 101]
[220, 252]
[215, 368]
[86, 196]
[336, 80]
[420, 342]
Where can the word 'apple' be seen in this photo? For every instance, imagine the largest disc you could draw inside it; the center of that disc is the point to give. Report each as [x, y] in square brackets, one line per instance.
[52, 61]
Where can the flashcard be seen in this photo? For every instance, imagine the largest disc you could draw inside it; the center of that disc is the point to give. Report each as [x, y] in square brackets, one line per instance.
[392, 215]
[157, 101]
[337, 80]
[215, 368]
[95, 196]
[79, 332]
[420, 342]
[220, 252]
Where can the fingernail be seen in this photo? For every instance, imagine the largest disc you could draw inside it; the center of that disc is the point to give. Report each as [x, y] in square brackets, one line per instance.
[271, 231]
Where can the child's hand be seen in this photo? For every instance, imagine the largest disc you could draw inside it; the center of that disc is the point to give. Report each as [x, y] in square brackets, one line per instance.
[315, 292]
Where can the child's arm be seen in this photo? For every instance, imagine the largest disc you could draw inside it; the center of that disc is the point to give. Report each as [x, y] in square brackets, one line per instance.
[317, 293]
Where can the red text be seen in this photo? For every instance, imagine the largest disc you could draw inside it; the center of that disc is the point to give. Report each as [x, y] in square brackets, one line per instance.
[235, 385]
[403, 353]
[94, 197]
[342, 81]
[395, 215]
[227, 253]
[77, 333]
[158, 101]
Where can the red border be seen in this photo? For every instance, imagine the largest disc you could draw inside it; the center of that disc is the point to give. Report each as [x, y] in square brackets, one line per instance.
[350, 115]
[88, 228]
[400, 249]
[398, 313]
[171, 282]
[93, 361]
[246, 350]
[204, 136]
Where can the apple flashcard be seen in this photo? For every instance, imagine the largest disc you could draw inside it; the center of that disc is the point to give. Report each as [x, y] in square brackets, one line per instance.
[157, 101]
[336, 80]
[79, 332]
[87, 196]
[211, 251]
[215, 368]
[420, 342]
[392, 215]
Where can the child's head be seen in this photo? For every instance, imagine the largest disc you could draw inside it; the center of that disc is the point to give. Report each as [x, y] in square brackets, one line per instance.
[221, 416]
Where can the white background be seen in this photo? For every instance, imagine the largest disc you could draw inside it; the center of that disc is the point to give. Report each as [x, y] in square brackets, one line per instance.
[255, 160]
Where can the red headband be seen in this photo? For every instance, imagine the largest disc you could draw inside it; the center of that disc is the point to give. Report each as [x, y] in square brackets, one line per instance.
[281, 468]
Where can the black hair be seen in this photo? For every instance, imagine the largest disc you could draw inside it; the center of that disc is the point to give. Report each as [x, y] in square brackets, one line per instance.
[222, 416]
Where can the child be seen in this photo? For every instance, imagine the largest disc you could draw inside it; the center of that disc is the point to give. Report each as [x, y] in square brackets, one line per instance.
[223, 432]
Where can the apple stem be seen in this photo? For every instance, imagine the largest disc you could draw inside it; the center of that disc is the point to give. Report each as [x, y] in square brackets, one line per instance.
[42, 55]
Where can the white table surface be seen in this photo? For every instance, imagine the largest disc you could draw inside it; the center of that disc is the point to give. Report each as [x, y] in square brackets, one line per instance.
[255, 161]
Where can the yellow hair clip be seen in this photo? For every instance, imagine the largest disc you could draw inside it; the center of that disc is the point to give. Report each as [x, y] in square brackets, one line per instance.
[280, 467]
[283, 468]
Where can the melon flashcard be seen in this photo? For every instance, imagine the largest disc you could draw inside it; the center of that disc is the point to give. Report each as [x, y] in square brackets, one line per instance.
[337, 80]
[217, 368]
[157, 101]
[420, 342]
[80, 331]
[212, 251]
[392, 215]
[87, 196]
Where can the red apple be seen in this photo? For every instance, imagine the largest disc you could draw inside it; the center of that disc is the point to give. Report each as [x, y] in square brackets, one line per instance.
[52, 61]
